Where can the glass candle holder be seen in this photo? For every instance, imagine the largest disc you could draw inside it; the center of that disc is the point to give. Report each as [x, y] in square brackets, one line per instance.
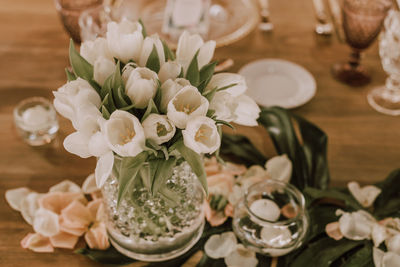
[36, 121]
[271, 218]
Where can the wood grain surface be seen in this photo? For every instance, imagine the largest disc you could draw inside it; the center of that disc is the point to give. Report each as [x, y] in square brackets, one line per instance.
[363, 145]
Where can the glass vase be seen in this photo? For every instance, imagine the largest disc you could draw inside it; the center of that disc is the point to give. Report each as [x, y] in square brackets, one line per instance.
[155, 227]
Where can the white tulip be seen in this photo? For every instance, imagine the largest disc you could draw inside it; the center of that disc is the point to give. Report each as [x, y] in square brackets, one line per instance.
[221, 80]
[92, 50]
[124, 134]
[187, 104]
[141, 86]
[170, 70]
[169, 89]
[102, 69]
[279, 168]
[247, 111]
[127, 70]
[364, 195]
[125, 40]
[224, 105]
[147, 48]
[158, 128]
[73, 95]
[188, 45]
[201, 135]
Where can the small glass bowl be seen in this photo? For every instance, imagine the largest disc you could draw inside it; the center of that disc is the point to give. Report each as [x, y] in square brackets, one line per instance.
[281, 223]
[36, 121]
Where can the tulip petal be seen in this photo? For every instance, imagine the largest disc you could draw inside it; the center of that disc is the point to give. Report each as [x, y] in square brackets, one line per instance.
[279, 168]
[97, 237]
[206, 53]
[241, 256]
[37, 243]
[219, 246]
[365, 195]
[333, 231]
[64, 240]
[97, 145]
[15, 196]
[247, 111]
[89, 185]
[77, 143]
[104, 168]
[66, 186]
[45, 222]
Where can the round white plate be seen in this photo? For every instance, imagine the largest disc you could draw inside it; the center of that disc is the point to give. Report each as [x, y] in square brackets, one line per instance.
[277, 82]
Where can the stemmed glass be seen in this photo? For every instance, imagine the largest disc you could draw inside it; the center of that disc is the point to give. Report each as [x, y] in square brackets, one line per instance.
[362, 22]
[386, 98]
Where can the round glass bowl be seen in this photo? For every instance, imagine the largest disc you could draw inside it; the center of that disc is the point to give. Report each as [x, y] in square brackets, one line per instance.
[36, 121]
[271, 218]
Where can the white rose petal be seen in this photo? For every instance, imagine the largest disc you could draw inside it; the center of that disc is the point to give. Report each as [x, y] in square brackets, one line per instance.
[393, 244]
[377, 255]
[89, 185]
[219, 246]
[170, 70]
[169, 89]
[201, 135]
[378, 234]
[158, 128]
[124, 134]
[356, 225]
[141, 86]
[125, 40]
[247, 111]
[149, 43]
[104, 168]
[15, 196]
[365, 195]
[66, 186]
[279, 168]
[102, 69]
[29, 205]
[390, 259]
[187, 104]
[221, 80]
[45, 222]
[241, 256]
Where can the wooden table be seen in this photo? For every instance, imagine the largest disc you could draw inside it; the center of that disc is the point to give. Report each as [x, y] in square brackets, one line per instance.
[363, 145]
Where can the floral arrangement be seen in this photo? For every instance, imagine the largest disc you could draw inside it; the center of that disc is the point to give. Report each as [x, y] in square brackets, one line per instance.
[129, 95]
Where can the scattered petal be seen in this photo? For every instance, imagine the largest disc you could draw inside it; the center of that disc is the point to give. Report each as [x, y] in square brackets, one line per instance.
[75, 218]
[65, 186]
[89, 185]
[377, 255]
[228, 210]
[29, 205]
[276, 236]
[378, 234]
[45, 222]
[364, 195]
[356, 225]
[289, 211]
[97, 237]
[279, 168]
[214, 218]
[219, 246]
[393, 244]
[64, 240]
[234, 169]
[333, 231]
[57, 201]
[241, 256]
[37, 243]
[94, 206]
[15, 196]
[390, 259]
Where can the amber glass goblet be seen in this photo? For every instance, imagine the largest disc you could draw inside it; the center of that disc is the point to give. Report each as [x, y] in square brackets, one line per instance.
[362, 22]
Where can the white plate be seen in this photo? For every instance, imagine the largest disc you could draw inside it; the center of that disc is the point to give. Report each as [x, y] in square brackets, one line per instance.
[277, 82]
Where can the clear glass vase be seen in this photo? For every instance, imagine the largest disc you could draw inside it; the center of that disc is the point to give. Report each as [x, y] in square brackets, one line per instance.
[155, 227]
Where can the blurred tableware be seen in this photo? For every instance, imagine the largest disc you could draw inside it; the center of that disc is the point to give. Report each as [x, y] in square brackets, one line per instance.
[70, 10]
[324, 26]
[265, 24]
[277, 82]
[362, 22]
[271, 218]
[93, 22]
[224, 64]
[336, 15]
[186, 15]
[36, 121]
[386, 98]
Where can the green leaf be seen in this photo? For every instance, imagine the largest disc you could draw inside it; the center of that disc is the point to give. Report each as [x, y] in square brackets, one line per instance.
[128, 107]
[106, 88]
[109, 256]
[163, 172]
[361, 258]
[117, 83]
[153, 62]
[70, 75]
[221, 122]
[81, 67]
[206, 74]
[206, 261]
[157, 97]
[195, 162]
[95, 86]
[316, 194]
[390, 189]
[151, 108]
[144, 32]
[106, 114]
[210, 94]
[193, 74]
[130, 167]
[122, 99]
[169, 55]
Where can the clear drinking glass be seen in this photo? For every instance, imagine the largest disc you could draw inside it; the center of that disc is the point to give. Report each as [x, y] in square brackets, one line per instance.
[271, 218]
[386, 98]
[93, 22]
[362, 22]
[36, 121]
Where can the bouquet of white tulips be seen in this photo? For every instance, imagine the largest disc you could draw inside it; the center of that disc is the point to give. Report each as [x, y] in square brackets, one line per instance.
[129, 95]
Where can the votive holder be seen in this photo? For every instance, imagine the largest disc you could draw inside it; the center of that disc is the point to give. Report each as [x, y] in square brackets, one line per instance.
[271, 218]
[36, 121]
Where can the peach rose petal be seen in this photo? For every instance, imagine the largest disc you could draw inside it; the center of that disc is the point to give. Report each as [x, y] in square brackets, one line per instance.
[211, 169]
[73, 230]
[94, 206]
[96, 194]
[228, 210]
[66, 186]
[97, 238]
[234, 169]
[289, 211]
[333, 231]
[75, 218]
[64, 240]
[37, 243]
[213, 217]
[57, 201]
